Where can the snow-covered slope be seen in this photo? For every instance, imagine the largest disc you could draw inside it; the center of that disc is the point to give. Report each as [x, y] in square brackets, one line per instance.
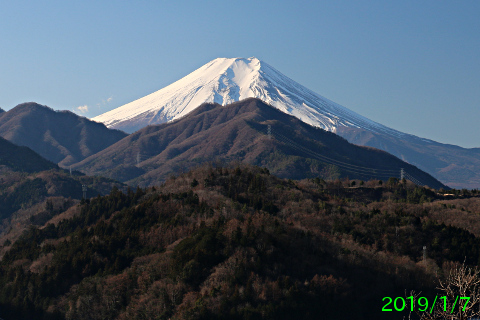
[228, 80]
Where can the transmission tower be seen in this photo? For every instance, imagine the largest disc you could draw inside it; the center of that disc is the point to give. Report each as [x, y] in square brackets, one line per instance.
[269, 132]
[84, 189]
[138, 158]
[402, 174]
[424, 255]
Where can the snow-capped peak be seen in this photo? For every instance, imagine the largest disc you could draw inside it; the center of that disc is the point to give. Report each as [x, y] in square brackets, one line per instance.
[226, 80]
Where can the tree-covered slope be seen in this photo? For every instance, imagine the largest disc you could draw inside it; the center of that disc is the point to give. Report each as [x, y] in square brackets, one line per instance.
[238, 243]
[22, 158]
[239, 133]
[59, 136]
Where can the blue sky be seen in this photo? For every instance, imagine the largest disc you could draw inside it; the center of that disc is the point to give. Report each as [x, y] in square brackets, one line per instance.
[411, 65]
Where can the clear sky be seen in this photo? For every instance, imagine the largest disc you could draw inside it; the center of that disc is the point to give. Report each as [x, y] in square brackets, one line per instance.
[411, 65]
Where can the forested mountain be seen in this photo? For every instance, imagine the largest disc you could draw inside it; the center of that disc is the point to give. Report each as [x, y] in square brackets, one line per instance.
[239, 132]
[59, 136]
[227, 80]
[239, 243]
[455, 166]
[27, 181]
[33, 189]
[27, 195]
[18, 158]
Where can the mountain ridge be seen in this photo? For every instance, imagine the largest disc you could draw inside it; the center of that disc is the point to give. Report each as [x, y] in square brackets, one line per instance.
[20, 158]
[59, 136]
[238, 132]
[226, 80]
[453, 165]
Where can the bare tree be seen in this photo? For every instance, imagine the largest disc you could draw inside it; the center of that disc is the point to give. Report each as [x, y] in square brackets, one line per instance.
[459, 296]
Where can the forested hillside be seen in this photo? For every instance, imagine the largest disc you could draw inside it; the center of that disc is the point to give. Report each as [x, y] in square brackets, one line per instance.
[34, 198]
[238, 132]
[24, 159]
[59, 136]
[239, 243]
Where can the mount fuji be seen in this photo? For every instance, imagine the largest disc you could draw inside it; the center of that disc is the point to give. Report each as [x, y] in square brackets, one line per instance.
[224, 81]
[227, 80]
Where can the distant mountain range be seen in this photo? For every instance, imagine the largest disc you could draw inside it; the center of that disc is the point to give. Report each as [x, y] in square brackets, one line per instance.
[239, 132]
[224, 81]
[68, 139]
[211, 133]
[59, 136]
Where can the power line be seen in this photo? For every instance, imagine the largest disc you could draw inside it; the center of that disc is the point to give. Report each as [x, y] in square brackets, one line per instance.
[348, 165]
[364, 171]
[359, 170]
[417, 182]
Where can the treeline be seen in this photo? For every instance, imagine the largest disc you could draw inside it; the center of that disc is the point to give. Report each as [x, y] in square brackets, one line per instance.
[235, 243]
